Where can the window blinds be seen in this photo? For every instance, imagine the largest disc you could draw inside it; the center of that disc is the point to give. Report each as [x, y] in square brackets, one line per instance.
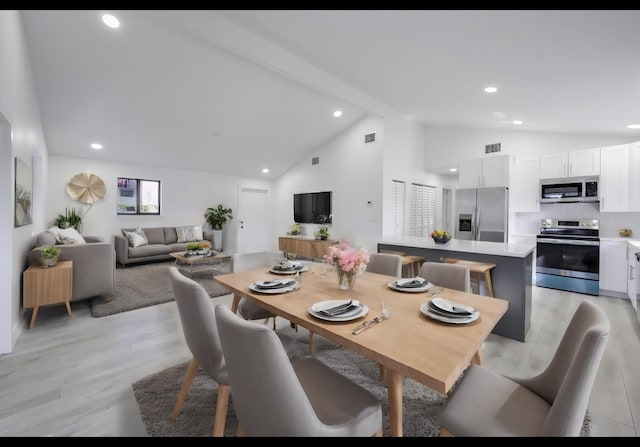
[398, 207]
[422, 210]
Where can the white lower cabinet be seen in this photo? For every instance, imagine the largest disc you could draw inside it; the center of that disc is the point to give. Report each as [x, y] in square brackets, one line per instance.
[613, 267]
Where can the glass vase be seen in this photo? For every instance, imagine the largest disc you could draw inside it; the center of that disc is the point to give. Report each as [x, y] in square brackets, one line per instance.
[346, 280]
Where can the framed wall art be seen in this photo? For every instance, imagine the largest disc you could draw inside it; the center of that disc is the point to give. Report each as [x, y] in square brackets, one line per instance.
[24, 194]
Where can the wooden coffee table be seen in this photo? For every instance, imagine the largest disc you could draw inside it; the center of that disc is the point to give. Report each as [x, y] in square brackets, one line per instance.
[201, 263]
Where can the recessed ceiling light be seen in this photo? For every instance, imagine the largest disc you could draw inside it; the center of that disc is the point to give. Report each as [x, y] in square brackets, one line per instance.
[110, 21]
[491, 89]
[517, 122]
[96, 146]
[265, 170]
[337, 113]
[634, 126]
[453, 169]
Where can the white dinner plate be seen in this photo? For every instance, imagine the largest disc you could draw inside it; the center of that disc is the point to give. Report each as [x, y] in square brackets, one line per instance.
[424, 288]
[348, 316]
[272, 269]
[424, 308]
[253, 286]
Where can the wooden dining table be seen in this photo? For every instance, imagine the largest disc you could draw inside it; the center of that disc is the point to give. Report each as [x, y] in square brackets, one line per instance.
[408, 344]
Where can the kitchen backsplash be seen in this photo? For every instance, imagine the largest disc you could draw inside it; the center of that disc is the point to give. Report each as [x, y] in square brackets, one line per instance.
[610, 223]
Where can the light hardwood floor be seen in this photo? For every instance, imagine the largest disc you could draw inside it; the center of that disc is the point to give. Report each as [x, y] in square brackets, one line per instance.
[72, 377]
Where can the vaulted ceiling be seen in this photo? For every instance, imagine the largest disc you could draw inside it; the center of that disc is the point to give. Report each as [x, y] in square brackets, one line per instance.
[234, 92]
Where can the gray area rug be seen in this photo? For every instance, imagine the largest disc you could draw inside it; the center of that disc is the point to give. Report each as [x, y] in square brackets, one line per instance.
[147, 285]
[156, 395]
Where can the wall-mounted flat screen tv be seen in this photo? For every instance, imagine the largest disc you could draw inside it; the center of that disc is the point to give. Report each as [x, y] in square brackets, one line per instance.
[312, 207]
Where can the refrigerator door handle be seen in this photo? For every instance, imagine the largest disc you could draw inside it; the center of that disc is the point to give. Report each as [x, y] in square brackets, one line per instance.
[477, 224]
[474, 210]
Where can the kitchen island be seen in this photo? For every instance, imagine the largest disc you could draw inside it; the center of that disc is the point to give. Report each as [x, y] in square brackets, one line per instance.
[511, 277]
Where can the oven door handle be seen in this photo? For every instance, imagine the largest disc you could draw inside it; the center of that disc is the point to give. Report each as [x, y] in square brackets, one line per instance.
[568, 242]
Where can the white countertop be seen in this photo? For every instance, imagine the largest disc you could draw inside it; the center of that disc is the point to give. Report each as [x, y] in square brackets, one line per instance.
[482, 247]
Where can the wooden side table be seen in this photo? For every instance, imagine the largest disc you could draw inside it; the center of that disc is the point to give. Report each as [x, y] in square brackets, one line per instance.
[47, 285]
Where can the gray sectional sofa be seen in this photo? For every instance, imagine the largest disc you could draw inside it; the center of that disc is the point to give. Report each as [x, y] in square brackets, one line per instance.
[160, 242]
[93, 264]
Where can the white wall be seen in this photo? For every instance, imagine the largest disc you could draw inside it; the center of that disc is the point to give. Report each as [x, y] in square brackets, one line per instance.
[19, 105]
[404, 159]
[353, 171]
[185, 196]
[446, 146]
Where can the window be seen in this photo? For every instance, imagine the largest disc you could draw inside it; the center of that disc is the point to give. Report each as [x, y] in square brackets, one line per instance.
[422, 210]
[137, 196]
[398, 207]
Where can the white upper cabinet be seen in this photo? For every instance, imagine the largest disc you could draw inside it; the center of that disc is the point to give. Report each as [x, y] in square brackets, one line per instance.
[525, 185]
[614, 178]
[584, 162]
[484, 172]
[634, 176]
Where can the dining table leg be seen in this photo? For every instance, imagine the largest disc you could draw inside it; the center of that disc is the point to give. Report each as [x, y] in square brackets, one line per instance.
[235, 302]
[394, 391]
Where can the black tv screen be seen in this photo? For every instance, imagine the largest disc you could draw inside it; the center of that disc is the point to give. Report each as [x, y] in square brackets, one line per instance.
[312, 207]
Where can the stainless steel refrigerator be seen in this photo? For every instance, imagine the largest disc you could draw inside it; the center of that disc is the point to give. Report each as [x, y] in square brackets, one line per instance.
[482, 214]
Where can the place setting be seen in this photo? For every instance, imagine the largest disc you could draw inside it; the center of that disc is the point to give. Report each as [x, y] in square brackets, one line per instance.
[446, 311]
[338, 310]
[288, 267]
[417, 284]
[274, 286]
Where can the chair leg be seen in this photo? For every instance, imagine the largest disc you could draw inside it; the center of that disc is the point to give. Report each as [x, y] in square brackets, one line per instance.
[240, 432]
[381, 371]
[444, 433]
[378, 434]
[221, 410]
[188, 380]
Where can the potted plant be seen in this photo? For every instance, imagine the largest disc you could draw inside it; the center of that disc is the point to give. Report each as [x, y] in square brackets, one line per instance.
[70, 218]
[49, 255]
[324, 233]
[217, 218]
[295, 229]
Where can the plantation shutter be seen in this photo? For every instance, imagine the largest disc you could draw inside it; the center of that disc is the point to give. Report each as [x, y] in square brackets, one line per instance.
[398, 207]
[422, 211]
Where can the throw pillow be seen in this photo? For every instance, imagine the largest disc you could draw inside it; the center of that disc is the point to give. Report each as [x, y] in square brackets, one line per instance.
[136, 237]
[56, 233]
[189, 234]
[71, 234]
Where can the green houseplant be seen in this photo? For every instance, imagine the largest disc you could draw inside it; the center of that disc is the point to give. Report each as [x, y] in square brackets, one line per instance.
[70, 218]
[217, 218]
[49, 255]
[323, 232]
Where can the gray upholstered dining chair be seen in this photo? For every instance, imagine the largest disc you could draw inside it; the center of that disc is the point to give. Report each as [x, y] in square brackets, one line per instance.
[385, 264]
[201, 335]
[450, 276]
[551, 403]
[274, 397]
[241, 262]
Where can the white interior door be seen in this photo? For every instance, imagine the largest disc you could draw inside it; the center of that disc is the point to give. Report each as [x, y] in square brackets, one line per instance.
[6, 233]
[253, 229]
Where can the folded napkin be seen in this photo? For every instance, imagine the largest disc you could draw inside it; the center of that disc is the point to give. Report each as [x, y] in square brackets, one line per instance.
[450, 308]
[411, 282]
[340, 309]
[288, 269]
[275, 284]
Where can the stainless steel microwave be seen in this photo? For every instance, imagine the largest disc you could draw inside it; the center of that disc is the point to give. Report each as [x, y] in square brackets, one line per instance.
[571, 189]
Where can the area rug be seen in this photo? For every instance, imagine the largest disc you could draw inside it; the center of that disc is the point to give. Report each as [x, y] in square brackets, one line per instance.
[156, 394]
[147, 285]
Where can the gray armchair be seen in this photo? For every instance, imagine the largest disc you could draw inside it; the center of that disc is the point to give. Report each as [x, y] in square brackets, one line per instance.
[93, 264]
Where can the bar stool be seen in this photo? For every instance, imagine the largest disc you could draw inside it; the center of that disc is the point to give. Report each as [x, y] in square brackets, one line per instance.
[478, 268]
[410, 263]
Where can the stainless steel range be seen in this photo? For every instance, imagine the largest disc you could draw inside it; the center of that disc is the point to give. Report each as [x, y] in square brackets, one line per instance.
[568, 255]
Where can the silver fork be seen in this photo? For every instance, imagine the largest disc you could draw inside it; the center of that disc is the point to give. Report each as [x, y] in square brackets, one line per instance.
[435, 292]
